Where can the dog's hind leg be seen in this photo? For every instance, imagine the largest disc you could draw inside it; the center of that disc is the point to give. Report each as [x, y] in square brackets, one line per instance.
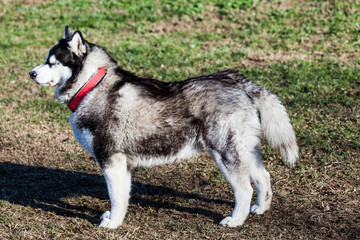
[261, 178]
[118, 180]
[239, 179]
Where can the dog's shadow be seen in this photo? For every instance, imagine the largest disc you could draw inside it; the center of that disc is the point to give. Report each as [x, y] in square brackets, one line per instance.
[45, 188]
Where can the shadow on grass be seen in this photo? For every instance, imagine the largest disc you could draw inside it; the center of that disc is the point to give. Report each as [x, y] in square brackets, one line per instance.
[45, 188]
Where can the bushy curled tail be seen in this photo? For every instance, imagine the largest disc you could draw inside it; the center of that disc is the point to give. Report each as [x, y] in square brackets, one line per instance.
[275, 123]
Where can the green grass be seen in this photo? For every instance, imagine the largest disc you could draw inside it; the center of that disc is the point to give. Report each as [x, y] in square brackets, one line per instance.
[306, 52]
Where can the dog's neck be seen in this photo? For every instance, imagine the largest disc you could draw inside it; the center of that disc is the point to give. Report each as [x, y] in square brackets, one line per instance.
[88, 86]
[95, 59]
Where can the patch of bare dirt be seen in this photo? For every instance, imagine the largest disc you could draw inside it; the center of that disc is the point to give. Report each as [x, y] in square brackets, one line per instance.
[34, 2]
[25, 2]
[175, 24]
[183, 24]
[26, 142]
[273, 57]
[204, 22]
[264, 6]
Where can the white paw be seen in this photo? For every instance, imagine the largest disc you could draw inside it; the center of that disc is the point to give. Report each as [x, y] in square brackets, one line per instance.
[105, 215]
[231, 222]
[107, 222]
[256, 209]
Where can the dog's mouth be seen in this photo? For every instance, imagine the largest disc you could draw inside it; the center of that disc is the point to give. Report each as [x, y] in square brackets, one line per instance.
[47, 84]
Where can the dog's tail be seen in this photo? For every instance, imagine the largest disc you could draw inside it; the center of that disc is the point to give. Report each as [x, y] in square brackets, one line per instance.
[275, 122]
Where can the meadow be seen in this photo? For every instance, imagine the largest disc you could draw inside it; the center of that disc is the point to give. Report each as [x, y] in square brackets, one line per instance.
[306, 52]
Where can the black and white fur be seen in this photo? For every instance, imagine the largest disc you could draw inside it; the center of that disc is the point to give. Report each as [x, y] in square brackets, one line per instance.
[134, 121]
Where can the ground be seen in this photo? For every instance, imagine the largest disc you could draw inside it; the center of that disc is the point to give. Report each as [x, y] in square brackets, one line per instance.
[306, 52]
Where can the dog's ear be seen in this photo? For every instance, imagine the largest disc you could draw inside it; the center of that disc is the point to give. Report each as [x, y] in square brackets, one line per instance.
[67, 33]
[77, 44]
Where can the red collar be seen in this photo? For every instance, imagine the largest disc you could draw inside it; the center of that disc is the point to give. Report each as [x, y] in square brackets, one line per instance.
[88, 86]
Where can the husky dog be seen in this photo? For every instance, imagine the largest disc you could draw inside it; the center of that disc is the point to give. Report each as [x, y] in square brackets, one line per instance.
[124, 120]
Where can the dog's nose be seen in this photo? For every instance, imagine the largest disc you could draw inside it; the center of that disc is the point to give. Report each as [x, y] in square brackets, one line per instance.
[32, 74]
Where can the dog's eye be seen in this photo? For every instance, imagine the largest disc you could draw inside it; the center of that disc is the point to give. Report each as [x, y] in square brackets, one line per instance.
[53, 63]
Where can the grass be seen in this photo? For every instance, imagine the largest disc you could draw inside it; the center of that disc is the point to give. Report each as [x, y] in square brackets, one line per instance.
[307, 52]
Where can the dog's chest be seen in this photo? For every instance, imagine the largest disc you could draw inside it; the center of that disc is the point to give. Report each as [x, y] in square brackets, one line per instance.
[83, 136]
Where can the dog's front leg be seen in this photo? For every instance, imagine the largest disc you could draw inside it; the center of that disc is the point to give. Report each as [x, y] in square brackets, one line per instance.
[118, 180]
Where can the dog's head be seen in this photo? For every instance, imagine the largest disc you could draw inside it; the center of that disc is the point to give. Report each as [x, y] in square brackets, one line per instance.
[63, 60]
